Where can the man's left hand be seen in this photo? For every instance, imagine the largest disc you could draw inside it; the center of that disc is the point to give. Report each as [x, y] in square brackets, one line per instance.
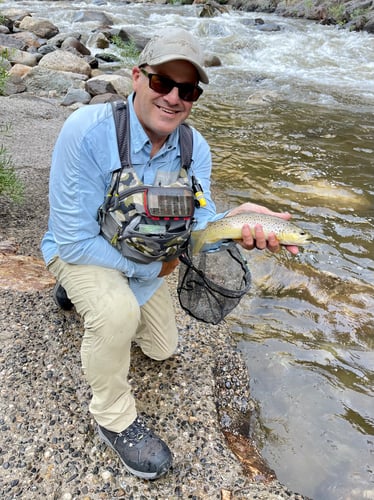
[259, 240]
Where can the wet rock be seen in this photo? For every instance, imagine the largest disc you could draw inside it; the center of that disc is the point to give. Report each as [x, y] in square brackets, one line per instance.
[84, 16]
[268, 27]
[105, 56]
[59, 39]
[115, 84]
[15, 15]
[93, 62]
[46, 49]
[212, 9]
[7, 23]
[98, 40]
[211, 60]
[75, 46]
[40, 27]
[369, 25]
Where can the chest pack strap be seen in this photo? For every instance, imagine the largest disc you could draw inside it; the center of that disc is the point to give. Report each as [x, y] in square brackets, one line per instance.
[122, 121]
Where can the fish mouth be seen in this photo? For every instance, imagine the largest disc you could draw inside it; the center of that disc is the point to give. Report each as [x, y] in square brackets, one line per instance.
[304, 239]
[299, 239]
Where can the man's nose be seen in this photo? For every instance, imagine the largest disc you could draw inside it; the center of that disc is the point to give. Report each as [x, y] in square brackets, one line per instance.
[173, 95]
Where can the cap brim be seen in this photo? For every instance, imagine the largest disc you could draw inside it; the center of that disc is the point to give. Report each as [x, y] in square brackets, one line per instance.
[203, 77]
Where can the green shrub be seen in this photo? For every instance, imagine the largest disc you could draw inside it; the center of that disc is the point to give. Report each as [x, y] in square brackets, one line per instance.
[359, 12]
[338, 12]
[9, 183]
[128, 50]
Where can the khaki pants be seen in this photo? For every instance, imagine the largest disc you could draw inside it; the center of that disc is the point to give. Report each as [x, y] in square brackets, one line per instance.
[112, 320]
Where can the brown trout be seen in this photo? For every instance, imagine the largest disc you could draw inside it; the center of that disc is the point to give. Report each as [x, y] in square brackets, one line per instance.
[230, 228]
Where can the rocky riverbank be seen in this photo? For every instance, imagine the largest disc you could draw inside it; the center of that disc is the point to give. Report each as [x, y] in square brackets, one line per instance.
[40, 59]
[353, 15]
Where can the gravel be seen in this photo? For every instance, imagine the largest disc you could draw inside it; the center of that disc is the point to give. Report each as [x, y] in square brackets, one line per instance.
[198, 400]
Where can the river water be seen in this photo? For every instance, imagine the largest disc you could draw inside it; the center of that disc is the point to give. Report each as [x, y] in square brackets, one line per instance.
[289, 117]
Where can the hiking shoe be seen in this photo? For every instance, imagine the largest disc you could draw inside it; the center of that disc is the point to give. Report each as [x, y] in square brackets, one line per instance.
[61, 299]
[142, 452]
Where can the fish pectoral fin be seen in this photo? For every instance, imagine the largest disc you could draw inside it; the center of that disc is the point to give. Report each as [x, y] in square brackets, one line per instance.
[196, 241]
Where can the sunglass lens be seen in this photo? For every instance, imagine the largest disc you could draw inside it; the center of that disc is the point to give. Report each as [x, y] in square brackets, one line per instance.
[163, 85]
[189, 92]
[160, 84]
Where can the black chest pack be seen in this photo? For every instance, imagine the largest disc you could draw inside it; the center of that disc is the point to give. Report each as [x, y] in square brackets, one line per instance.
[148, 223]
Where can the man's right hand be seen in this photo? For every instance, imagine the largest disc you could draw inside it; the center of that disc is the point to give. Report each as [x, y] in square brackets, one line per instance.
[168, 267]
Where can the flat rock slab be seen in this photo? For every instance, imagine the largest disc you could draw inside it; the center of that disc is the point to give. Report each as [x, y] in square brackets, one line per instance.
[24, 273]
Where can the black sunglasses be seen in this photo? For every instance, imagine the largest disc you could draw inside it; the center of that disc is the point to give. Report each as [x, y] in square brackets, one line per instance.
[163, 85]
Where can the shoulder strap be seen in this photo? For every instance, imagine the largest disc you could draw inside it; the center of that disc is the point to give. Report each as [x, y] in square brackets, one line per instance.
[186, 143]
[121, 119]
[120, 114]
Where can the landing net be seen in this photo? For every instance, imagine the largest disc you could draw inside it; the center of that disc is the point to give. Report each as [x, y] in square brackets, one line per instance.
[211, 284]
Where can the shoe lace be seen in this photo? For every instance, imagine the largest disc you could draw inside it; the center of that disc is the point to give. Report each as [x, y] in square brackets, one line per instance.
[135, 432]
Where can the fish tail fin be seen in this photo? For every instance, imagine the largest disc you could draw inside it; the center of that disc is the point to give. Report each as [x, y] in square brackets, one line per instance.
[196, 241]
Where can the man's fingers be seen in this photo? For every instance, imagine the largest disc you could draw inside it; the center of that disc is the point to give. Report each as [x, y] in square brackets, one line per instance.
[260, 238]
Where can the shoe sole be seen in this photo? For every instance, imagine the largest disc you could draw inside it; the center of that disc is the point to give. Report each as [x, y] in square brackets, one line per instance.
[137, 473]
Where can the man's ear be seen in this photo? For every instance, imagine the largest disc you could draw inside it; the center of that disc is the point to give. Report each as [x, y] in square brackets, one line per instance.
[136, 74]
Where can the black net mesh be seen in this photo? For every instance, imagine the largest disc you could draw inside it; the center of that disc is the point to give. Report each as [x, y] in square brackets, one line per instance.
[210, 285]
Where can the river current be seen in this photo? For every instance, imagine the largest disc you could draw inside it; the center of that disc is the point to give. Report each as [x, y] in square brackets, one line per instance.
[289, 116]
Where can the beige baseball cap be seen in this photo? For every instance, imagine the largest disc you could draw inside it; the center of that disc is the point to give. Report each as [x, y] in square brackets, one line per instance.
[176, 43]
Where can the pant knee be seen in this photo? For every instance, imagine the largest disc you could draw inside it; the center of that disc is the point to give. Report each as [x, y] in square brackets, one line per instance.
[161, 355]
[158, 347]
[117, 316]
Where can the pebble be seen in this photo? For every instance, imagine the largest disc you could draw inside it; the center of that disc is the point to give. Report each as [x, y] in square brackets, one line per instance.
[106, 476]
[66, 496]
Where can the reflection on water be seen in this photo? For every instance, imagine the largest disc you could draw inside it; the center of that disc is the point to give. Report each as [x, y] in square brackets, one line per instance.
[306, 327]
[289, 116]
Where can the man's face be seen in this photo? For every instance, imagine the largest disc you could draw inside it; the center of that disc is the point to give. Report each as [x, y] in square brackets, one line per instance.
[161, 114]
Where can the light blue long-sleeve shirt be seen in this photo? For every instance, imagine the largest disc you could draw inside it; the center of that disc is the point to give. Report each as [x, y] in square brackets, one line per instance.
[84, 157]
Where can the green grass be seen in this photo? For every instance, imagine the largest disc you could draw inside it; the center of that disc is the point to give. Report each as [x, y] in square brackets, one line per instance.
[3, 72]
[9, 183]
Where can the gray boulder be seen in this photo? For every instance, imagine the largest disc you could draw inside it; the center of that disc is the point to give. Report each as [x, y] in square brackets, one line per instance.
[42, 81]
[15, 56]
[115, 84]
[74, 96]
[41, 27]
[84, 16]
[61, 60]
[75, 46]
